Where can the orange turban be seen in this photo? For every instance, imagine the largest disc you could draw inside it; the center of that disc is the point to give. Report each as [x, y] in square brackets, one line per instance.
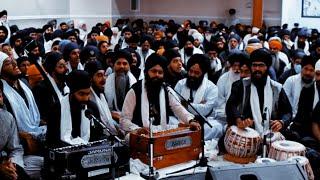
[275, 44]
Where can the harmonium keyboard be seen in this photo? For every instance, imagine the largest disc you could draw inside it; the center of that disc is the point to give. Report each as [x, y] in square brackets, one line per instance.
[85, 161]
[170, 147]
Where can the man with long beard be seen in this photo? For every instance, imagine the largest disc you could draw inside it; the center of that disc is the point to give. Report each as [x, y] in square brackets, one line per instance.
[225, 83]
[47, 93]
[258, 95]
[149, 98]
[119, 82]
[68, 124]
[200, 92]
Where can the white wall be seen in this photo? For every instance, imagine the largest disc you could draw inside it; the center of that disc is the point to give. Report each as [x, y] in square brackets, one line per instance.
[36, 13]
[291, 13]
[197, 10]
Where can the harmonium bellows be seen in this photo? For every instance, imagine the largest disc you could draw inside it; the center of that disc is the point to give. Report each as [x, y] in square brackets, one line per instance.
[170, 147]
[86, 160]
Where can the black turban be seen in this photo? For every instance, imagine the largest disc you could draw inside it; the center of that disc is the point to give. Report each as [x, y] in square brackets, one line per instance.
[170, 54]
[202, 60]
[153, 60]
[237, 57]
[77, 80]
[67, 50]
[92, 67]
[261, 55]
[123, 54]
[308, 60]
[51, 61]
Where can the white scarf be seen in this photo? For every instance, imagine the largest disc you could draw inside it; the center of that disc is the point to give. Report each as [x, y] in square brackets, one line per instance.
[255, 105]
[145, 107]
[232, 77]
[110, 90]
[316, 95]
[199, 95]
[306, 46]
[66, 125]
[288, 43]
[216, 64]
[297, 87]
[28, 119]
[66, 89]
[104, 111]
[79, 67]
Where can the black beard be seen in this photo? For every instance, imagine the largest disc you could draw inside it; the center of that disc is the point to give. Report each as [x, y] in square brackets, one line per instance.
[48, 36]
[318, 84]
[188, 51]
[61, 77]
[301, 44]
[153, 86]
[307, 80]
[259, 81]
[18, 49]
[194, 83]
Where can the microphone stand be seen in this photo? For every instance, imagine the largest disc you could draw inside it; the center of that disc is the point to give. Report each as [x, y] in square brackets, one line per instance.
[203, 162]
[151, 175]
[265, 121]
[113, 138]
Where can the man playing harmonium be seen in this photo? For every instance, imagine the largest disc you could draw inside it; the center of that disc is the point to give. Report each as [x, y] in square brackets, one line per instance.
[150, 94]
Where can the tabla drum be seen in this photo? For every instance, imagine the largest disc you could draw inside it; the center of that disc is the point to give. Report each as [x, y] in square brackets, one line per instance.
[305, 164]
[274, 136]
[241, 144]
[265, 160]
[282, 150]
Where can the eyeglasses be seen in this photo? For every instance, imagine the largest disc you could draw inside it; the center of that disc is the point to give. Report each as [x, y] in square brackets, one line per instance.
[258, 64]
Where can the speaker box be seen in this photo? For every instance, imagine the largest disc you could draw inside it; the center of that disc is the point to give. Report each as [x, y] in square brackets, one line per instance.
[268, 171]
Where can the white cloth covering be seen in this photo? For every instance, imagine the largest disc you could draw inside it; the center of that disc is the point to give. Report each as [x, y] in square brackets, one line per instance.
[255, 105]
[110, 90]
[27, 117]
[66, 89]
[105, 114]
[66, 125]
[205, 98]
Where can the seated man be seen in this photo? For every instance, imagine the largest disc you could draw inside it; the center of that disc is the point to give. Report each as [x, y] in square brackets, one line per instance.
[306, 124]
[225, 83]
[200, 92]
[68, 124]
[119, 82]
[11, 151]
[98, 80]
[174, 71]
[248, 101]
[148, 96]
[19, 99]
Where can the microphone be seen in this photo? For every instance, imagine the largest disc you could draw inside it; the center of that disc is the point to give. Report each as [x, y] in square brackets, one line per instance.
[89, 114]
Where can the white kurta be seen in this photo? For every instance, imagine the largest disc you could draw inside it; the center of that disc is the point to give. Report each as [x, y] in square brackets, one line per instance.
[205, 100]
[293, 87]
[224, 89]
[185, 58]
[110, 90]
[143, 59]
[129, 106]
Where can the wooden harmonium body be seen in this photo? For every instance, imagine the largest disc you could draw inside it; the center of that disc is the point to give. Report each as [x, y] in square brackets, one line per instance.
[170, 147]
[84, 161]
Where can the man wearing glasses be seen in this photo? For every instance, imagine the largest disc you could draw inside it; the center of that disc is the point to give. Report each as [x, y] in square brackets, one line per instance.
[248, 101]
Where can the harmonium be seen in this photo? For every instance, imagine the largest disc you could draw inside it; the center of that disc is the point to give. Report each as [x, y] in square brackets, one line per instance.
[170, 147]
[95, 159]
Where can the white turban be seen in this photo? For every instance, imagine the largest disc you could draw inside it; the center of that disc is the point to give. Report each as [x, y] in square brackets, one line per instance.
[3, 56]
[317, 67]
[198, 36]
[255, 30]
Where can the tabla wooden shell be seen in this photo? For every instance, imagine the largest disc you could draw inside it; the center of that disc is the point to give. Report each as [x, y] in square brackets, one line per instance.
[282, 150]
[242, 142]
[305, 164]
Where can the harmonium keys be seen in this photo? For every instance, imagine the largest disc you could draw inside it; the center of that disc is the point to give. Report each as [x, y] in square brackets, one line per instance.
[170, 147]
